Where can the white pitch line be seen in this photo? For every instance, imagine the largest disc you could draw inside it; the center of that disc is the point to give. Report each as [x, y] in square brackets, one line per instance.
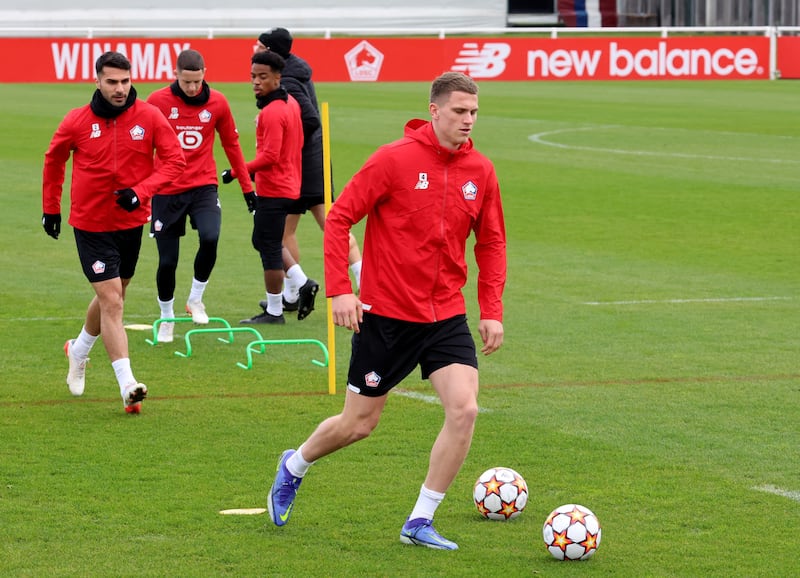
[75, 318]
[711, 300]
[427, 398]
[770, 489]
[539, 138]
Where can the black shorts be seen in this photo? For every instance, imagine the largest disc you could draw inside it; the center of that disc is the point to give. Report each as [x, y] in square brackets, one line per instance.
[269, 223]
[170, 211]
[105, 256]
[312, 187]
[386, 350]
[304, 203]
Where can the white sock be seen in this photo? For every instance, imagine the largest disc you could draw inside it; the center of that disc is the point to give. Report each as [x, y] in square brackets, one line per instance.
[426, 505]
[356, 269]
[122, 369]
[297, 464]
[196, 292]
[167, 308]
[274, 303]
[289, 294]
[295, 278]
[83, 344]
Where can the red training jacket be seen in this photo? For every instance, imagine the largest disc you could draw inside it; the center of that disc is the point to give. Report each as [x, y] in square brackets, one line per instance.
[421, 201]
[278, 165]
[108, 155]
[195, 126]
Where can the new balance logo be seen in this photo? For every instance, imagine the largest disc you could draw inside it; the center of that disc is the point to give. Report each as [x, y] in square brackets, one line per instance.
[486, 61]
[422, 182]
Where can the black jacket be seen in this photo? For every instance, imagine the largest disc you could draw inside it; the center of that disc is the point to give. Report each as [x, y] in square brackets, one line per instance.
[296, 79]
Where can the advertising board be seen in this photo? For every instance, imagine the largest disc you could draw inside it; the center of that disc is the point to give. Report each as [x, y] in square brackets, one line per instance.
[418, 59]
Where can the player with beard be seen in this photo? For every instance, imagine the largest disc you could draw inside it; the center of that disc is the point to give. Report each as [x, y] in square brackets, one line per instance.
[113, 141]
[196, 113]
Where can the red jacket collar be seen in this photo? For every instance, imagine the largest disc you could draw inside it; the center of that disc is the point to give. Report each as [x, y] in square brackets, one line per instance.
[422, 131]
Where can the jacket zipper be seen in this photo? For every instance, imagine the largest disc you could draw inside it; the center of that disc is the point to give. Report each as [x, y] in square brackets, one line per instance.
[112, 124]
[441, 237]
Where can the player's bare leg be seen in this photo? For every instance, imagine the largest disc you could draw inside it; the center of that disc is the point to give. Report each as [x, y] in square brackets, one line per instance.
[290, 235]
[104, 316]
[358, 419]
[457, 387]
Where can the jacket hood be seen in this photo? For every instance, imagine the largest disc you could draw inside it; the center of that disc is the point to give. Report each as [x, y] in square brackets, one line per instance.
[297, 68]
[422, 131]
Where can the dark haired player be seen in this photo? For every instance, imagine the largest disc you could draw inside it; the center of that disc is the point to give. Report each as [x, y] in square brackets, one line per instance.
[113, 141]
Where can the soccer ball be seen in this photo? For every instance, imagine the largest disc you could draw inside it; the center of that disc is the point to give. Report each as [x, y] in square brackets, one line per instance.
[571, 532]
[500, 494]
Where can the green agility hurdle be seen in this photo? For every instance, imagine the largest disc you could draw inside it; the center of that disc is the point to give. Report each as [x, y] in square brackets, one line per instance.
[262, 343]
[229, 330]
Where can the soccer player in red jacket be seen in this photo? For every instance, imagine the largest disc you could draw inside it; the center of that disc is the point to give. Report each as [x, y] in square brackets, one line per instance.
[196, 112]
[296, 79]
[277, 167]
[422, 196]
[113, 141]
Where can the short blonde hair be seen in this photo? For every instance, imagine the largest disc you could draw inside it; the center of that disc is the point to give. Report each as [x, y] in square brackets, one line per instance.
[452, 82]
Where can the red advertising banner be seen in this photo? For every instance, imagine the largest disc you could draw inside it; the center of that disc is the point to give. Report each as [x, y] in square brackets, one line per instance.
[789, 56]
[411, 59]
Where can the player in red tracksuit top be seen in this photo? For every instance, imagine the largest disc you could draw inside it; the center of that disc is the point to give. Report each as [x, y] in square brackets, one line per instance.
[296, 79]
[278, 171]
[422, 196]
[112, 141]
[196, 112]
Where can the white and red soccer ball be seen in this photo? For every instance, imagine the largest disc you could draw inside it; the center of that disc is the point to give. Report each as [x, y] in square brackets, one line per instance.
[500, 494]
[571, 532]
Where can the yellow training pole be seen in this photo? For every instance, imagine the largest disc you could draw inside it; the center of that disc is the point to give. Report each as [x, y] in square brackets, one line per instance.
[326, 165]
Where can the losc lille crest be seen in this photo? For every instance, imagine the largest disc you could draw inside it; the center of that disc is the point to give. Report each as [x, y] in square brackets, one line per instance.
[364, 62]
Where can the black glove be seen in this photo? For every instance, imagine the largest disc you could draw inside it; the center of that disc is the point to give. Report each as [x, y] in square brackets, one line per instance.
[227, 176]
[52, 224]
[250, 199]
[127, 199]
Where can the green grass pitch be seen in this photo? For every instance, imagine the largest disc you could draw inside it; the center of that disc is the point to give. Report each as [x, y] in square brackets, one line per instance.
[650, 370]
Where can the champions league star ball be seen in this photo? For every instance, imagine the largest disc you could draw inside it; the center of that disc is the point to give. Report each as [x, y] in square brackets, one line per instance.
[500, 494]
[571, 532]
